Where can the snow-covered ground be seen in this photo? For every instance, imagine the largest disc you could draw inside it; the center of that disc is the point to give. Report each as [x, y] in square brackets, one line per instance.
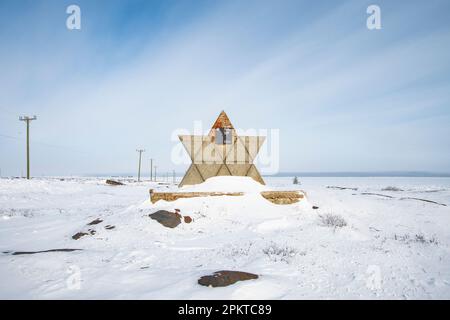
[357, 244]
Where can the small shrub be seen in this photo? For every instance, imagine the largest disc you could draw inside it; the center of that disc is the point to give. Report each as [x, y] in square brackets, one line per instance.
[234, 251]
[417, 238]
[277, 253]
[390, 188]
[332, 220]
[295, 180]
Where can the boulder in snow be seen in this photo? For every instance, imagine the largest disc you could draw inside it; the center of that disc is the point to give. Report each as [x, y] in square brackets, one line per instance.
[225, 278]
[96, 221]
[79, 235]
[166, 218]
[114, 183]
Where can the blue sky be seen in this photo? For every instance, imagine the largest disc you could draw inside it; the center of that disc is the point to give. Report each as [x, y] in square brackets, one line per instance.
[344, 98]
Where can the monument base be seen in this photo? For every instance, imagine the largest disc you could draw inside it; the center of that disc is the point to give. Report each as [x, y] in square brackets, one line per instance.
[276, 197]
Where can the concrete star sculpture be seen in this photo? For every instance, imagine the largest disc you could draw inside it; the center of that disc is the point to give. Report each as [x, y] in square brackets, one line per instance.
[221, 153]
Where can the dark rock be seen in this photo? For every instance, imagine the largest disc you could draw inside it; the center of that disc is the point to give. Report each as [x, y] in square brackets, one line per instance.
[114, 183]
[108, 227]
[166, 218]
[79, 235]
[377, 194]
[187, 219]
[92, 232]
[425, 200]
[315, 207]
[225, 278]
[96, 221]
[43, 251]
[177, 210]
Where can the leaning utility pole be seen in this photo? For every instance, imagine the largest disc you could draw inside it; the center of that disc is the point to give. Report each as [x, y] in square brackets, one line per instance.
[27, 120]
[140, 156]
[151, 169]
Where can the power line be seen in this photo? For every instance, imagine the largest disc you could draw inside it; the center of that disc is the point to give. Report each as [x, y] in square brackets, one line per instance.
[9, 137]
[27, 119]
[45, 144]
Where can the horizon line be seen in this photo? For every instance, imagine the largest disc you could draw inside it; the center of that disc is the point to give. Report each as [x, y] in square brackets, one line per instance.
[391, 173]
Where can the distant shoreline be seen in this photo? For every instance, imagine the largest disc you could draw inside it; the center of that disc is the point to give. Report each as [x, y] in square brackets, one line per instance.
[368, 174]
[343, 174]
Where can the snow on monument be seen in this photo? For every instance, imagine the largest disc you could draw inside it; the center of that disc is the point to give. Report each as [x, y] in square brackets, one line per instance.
[221, 153]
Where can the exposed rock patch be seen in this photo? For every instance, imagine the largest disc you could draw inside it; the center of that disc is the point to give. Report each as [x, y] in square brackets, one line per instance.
[114, 182]
[187, 219]
[425, 200]
[109, 227]
[78, 235]
[225, 278]
[166, 218]
[96, 221]
[43, 251]
[376, 194]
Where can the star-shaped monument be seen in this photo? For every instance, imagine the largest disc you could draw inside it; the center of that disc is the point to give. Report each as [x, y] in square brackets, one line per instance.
[221, 153]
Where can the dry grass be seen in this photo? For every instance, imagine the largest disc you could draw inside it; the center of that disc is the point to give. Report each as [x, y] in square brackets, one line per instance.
[332, 220]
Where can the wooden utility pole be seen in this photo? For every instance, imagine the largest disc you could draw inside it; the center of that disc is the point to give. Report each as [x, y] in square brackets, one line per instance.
[151, 169]
[140, 157]
[27, 120]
